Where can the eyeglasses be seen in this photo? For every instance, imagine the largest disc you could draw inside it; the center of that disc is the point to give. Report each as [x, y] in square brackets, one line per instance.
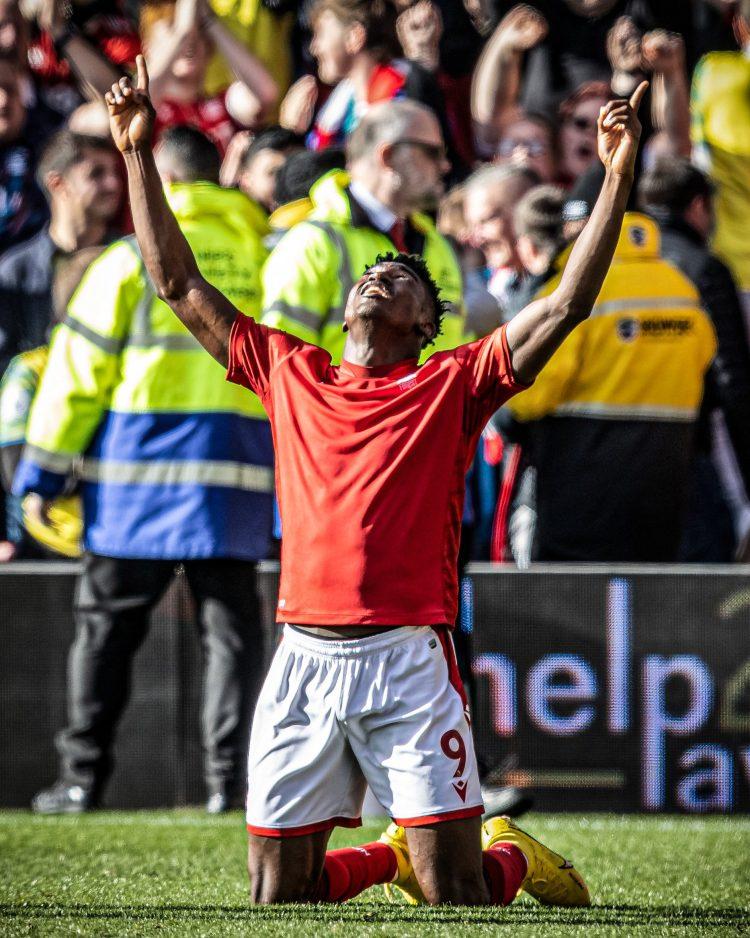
[532, 147]
[582, 123]
[435, 151]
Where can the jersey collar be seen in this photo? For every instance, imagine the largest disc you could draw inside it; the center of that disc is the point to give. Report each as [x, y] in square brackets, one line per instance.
[398, 370]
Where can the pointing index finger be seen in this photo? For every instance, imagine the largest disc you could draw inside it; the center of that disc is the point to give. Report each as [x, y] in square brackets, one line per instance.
[140, 64]
[635, 101]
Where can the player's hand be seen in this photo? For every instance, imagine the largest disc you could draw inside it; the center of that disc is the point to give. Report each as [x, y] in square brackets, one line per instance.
[523, 28]
[131, 113]
[619, 133]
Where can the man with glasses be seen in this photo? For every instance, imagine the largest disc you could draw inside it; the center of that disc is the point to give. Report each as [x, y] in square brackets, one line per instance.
[395, 166]
[530, 141]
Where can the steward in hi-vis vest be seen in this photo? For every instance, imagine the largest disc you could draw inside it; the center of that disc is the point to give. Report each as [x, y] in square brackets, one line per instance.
[613, 413]
[309, 274]
[174, 462]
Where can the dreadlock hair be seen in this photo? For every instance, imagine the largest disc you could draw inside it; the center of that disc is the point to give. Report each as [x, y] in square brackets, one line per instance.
[418, 267]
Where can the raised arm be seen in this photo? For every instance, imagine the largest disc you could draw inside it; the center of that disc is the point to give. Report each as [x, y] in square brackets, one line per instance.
[206, 312]
[497, 78]
[539, 329]
[664, 54]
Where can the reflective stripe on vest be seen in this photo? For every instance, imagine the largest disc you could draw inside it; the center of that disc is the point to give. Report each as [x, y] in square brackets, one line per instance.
[336, 313]
[626, 411]
[142, 335]
[189, 472]
[60, 463]
[645, 303]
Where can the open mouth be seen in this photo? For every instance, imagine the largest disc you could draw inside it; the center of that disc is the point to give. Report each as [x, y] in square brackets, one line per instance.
[374, 288]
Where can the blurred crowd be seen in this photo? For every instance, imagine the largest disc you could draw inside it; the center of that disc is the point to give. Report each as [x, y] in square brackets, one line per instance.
[464, 131]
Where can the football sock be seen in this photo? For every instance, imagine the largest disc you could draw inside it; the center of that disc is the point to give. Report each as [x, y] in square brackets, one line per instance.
[351, 870]
[504, 870]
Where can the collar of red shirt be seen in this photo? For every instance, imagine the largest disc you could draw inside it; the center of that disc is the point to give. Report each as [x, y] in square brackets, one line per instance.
[396, 370]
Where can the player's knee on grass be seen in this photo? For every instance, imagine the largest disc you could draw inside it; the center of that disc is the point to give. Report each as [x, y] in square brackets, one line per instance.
[456, 890]
[447, 861]
[285, 869]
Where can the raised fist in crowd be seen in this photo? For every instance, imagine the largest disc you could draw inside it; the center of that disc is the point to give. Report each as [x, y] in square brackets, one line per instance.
[523, 28]
[419, 30]
[663, 52]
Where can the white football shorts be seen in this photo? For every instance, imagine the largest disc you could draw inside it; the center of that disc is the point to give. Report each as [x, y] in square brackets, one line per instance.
[386, 711]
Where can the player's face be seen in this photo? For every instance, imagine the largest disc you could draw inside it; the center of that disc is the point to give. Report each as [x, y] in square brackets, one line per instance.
[393, 294]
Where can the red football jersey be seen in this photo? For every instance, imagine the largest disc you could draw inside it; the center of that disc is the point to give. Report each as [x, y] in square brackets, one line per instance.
[370, 467]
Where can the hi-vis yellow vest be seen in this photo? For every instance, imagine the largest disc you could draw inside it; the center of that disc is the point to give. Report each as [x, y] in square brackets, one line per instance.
[174, 461]
[643, 352]
[309, 274]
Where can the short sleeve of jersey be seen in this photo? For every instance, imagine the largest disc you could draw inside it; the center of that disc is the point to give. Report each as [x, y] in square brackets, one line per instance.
[254, 352]
[489, 371]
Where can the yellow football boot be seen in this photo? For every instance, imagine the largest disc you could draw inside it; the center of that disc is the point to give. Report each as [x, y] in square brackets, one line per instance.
[550, 878]
[405, 886]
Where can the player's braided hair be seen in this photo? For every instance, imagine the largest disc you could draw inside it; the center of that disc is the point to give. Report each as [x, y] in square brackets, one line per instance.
[418, 267]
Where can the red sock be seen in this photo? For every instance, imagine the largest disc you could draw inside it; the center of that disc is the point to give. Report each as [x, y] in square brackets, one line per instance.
[351, 870]
[504, 870]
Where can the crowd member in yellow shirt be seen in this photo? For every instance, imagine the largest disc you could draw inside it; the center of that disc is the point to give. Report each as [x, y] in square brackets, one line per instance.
[720, 109]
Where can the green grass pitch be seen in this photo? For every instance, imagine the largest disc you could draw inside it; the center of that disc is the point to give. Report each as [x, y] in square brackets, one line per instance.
[182, 874]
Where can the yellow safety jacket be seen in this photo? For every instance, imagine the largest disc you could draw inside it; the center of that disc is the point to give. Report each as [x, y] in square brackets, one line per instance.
[308, 276]
[174, 461]
[720, 131]
[612, 414]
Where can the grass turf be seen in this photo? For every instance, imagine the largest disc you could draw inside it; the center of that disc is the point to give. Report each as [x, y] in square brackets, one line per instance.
[181, 873]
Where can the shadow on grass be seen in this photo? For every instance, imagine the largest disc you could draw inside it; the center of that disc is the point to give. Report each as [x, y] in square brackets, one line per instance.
[361, 912]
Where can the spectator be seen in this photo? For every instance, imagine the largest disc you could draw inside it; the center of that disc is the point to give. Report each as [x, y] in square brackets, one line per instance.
[530, 140]
[178, 41]
[612, 416]
[262, 161]
[574, 51]
[721, 137]
[356, 48]
[579, 114]
[497, 78]
[491, 195]
[679, 196]
[23, 210]
[33, 533]
[80, 47]
[580, 201]
[632, 56]
[82, 180]
[293, 183]
[396, 162]
[483, 312]
[420, 30]
[537, 220]
[265, 30]
[176, 467]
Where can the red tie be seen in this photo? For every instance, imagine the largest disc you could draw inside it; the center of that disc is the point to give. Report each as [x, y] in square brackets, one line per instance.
[397, 234]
